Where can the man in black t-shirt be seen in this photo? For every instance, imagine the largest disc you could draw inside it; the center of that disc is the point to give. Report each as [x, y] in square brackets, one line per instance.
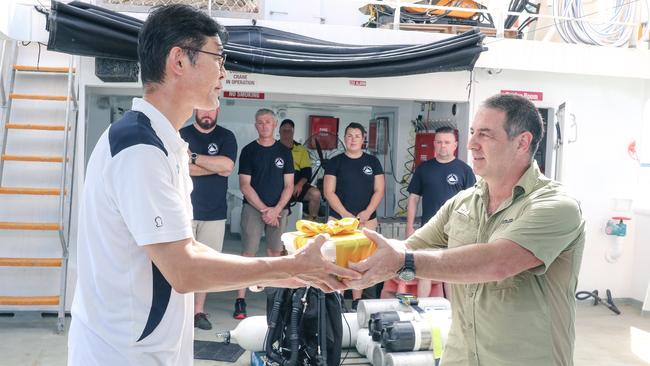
[213, 151]
[266, 181]
[436, 181]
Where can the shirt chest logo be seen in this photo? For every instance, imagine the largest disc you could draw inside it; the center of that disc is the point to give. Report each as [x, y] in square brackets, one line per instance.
[213, 149]
[367, 170]
[507, 221]
[452, 179]
[279, 162]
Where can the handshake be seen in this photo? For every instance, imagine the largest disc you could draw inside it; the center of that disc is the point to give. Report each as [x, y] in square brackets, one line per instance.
[337, 256]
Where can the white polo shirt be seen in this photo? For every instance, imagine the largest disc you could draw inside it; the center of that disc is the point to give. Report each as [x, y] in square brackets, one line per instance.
[137, 192]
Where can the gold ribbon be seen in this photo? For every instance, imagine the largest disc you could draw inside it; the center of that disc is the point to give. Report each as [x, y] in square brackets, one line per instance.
[343, 226]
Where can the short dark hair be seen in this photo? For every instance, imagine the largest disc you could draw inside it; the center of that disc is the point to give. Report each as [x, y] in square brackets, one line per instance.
[521, 116]
[288, 122]
[171, 26]
[356, 125]
[264, 111]
[447, 129]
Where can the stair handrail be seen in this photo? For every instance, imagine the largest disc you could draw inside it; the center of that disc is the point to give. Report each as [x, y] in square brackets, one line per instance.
[64, 230]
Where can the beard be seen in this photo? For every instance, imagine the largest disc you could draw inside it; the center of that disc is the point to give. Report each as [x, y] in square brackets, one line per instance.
[206, 123]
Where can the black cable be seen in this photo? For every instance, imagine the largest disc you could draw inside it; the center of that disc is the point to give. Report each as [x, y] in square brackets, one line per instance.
[609, 302]
[526, 23]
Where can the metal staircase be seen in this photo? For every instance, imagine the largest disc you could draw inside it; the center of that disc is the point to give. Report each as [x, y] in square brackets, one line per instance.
[22, 193]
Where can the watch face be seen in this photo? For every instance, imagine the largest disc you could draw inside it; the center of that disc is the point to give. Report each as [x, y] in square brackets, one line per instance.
[406, 275]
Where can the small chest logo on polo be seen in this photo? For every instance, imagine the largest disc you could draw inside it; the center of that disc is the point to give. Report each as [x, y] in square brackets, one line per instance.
[213, 149]
[279, 162]
[367, 170]
[507, 221]
[452, 179]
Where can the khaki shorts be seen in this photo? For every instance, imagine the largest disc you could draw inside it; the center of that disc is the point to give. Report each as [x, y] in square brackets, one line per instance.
[252, 226]
[209, 233]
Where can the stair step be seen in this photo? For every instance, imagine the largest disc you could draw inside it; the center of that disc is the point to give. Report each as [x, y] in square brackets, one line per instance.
[50, 69]
[38, 158]
[30, 191]
[31, 126]
[28, 226]
[30, 262]
[29, 300]
[38, 97]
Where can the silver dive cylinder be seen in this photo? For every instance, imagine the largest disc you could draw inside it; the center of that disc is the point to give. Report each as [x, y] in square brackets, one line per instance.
[368, 307]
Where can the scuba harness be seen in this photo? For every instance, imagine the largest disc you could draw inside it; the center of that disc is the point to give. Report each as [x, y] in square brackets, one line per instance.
[304, 327]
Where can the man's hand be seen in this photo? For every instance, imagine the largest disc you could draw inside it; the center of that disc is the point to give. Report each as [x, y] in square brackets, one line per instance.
[409, 230]
[271, 216]
[297, 188]
[363, 217]
[382, 265]
[315, 270]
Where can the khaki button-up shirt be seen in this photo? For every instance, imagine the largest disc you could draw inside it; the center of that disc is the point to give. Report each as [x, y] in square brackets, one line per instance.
[527, 319]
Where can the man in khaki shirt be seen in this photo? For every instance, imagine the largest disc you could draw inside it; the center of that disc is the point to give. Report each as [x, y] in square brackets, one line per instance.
[513, 245]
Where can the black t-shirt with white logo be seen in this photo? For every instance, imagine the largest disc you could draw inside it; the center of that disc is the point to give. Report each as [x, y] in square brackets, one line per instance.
[437, 182]
[209, 193]
[267, 167]
[355, 181]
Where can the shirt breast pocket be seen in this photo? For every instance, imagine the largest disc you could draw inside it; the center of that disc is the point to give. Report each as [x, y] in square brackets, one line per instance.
[461, 230]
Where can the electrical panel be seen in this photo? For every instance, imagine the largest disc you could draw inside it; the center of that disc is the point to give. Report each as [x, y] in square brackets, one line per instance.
[378, 135]
[326, 128]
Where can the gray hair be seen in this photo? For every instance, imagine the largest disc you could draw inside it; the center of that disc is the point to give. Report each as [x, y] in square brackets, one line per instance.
[521, 116]
[263, 111]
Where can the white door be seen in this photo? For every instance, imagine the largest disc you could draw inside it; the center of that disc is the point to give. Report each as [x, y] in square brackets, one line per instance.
[565, 133]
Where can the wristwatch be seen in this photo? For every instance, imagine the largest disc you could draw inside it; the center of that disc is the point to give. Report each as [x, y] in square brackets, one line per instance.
[193, 157]
[407, 272]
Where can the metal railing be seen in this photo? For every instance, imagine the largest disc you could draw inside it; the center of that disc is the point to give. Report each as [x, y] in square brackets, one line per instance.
[232, 8]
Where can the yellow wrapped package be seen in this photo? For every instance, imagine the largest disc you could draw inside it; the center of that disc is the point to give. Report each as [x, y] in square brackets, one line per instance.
[346, 243]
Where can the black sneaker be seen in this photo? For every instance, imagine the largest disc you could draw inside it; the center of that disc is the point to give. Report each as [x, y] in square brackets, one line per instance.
[201, 321]
[240, 309]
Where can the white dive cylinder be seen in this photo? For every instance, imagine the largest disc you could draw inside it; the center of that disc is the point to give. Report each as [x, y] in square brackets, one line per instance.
[370, 351]
[378, 356]
[367, 307]
[363, 339]
[424, 358]
[250, 332]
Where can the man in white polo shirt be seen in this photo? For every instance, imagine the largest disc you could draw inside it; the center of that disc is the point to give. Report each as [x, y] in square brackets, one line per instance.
[137, 261]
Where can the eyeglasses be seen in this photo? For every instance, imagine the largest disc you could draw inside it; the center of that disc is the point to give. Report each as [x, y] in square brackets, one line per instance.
[222, 56]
